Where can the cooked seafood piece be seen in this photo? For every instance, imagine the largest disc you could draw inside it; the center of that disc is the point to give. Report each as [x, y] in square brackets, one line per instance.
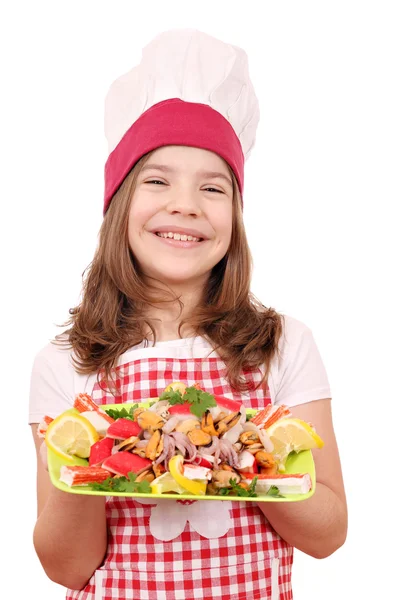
[249, 437]
[84, 403]
[98, 420]
[139, 450]
[171, 423]
[127, 444]
[138, 411]
[123, 462]
[247, 462]
[99, 451]
[198, 437]
[254, 448]
[196, 472]
[219, 415]
[145, 475]
[269, 415]
[265, 459]
[76, 475]
[150, 421]
[207, 424]
[158, 470]
[232, 435]
[270, 470]
[212, 489]
[221, 477]
[287, 483]
[42, 427]
[187, 425]
[226, 453]
[122, 429]
[161, 408]
[154, 445]
[227, 422]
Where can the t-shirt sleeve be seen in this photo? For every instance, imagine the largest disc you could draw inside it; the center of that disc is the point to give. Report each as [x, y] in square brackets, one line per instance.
[302, 376]
[51, 384]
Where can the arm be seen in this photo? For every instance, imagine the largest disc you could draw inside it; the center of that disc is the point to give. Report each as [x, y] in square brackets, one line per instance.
[70, 535]
[317, 526]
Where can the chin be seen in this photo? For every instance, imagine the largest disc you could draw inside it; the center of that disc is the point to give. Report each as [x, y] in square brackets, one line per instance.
[175, 277]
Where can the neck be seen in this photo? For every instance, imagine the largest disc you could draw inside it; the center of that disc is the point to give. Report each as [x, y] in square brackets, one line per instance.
[166, 317]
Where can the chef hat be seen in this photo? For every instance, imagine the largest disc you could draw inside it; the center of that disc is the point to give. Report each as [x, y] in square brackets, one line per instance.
[189, 89]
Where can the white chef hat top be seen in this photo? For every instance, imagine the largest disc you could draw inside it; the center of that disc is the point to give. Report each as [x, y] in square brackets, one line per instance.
[197, 69]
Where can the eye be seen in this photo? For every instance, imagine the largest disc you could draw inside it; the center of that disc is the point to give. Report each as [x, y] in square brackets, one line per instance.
[155, 181]
[214, 189]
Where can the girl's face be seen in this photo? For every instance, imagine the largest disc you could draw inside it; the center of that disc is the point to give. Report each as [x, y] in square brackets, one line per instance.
[180, 219]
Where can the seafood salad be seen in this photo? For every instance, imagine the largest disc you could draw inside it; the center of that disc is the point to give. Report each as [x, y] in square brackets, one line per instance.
[187, 441]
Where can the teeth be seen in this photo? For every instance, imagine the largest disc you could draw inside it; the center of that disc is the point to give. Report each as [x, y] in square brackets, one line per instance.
[179, 236]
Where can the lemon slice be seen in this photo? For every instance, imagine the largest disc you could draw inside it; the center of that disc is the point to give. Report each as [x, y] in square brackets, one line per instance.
[175, 466]
[176, 386]
[166, 483]
[71, 435]
[288, 435]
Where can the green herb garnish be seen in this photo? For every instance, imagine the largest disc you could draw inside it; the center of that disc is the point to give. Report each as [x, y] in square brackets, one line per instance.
[274, 491]
[173, 397]
[199, 400]
[237, 490]
[122, 413]
[122, 484]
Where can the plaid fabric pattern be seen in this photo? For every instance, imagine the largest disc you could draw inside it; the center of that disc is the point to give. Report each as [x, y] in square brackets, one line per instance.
[250, 561]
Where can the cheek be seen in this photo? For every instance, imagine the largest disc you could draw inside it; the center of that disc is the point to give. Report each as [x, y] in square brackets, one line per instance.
[224, 227]
[139, 215]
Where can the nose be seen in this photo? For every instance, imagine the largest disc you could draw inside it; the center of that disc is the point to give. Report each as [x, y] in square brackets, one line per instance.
[184, 203]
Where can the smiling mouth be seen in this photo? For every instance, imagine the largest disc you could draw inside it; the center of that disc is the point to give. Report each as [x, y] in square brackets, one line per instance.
[179, 237]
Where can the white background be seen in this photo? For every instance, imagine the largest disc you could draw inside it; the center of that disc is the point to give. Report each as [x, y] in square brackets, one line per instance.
[321, 189]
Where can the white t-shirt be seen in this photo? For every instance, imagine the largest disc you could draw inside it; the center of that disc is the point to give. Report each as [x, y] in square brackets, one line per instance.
[297, 374]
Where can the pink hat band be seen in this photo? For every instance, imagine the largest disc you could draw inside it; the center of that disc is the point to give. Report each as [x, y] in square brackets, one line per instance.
[173, 122]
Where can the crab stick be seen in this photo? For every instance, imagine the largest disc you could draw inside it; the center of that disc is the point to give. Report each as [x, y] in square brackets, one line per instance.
[196, 472]
[76, 475]
[269, 415]
[43, 425]
[89, 408]
[287, 483]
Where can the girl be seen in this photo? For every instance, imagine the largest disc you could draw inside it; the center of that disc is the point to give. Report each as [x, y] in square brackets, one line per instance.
[167, 298]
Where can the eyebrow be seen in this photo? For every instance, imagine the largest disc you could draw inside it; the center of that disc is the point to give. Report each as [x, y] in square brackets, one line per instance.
[206, 174]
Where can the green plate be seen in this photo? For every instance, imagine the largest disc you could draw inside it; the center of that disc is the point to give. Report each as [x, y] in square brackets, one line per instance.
[302, 462]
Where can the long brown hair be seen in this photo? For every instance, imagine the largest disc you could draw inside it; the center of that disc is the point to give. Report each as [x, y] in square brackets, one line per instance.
[110, 317]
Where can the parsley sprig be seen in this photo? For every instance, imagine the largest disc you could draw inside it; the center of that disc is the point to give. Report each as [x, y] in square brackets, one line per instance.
[274, 491]
[122, 484]
[237, 490]
[122, 413]
[199, 400]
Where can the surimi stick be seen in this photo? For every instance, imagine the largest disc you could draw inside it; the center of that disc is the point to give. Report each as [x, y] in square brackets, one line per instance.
[76, 475]
[269, 415]
[42, 427]
[287, 483]
[84, 403]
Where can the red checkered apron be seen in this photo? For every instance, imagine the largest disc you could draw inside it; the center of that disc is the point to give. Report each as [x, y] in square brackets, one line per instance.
[251, 561]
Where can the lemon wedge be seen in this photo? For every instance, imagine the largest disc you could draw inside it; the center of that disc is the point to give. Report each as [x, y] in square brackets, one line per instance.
[175, 466]
[71, 435]
[288, 435]
[166, 483]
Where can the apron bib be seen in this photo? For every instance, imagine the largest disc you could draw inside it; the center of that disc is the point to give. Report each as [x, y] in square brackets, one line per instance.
[184, 549]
